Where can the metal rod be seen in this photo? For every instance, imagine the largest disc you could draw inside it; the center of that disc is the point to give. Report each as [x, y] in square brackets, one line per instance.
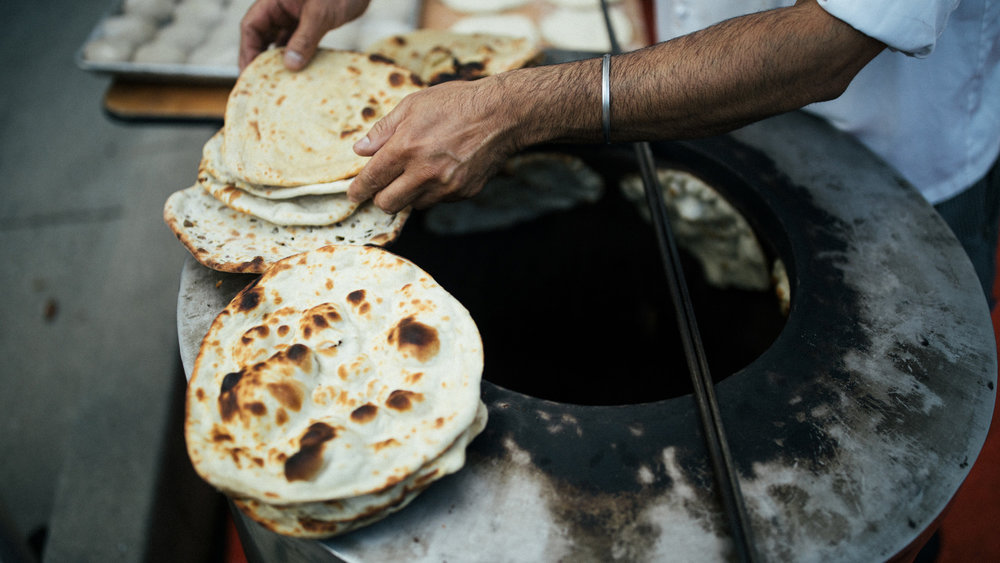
[704, 389]
[701, 379]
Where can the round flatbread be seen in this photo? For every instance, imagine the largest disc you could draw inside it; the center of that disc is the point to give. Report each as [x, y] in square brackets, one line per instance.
[307, 210]
[211, 164]
[285, 128]
[227, 240]
[439, 55]
[339, 373]
[338, 516]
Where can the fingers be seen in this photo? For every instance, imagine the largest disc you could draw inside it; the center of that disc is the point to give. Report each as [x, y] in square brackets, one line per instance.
[424, 152]
[380, 132]
[298, 24]
[379, 172]
[383, 171]
[259, 28]
[316, 19]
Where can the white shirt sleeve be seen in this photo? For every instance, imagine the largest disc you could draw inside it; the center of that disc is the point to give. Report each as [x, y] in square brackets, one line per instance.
[910, 26]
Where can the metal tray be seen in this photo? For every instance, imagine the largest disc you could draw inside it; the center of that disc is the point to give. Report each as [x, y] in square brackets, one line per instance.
[179, 72]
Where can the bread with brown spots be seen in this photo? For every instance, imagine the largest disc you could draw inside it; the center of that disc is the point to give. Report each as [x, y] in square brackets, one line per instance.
[224, 239]
[440, 55]
[338, 516]
[341, 372]
[311, 207]
[211, 165]
[285, 128]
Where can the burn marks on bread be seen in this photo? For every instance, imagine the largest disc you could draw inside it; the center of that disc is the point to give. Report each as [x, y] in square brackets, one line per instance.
[304, 464]
[316, 380]
[414, 338]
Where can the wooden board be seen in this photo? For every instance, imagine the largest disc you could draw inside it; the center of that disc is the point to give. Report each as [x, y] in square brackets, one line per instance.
[136, 100]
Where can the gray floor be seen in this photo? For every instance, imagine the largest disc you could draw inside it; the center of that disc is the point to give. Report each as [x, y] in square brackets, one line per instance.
[91, 457]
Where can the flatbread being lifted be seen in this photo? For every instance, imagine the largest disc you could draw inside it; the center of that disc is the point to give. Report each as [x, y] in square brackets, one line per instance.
[213, 169]
[273, 180]
[439, 55]
[285, 128]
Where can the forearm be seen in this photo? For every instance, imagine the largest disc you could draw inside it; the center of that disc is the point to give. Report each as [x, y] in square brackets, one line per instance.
[709, 82]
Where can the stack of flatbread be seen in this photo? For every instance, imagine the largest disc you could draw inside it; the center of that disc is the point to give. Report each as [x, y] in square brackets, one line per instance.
[273, 180]
[335, 389]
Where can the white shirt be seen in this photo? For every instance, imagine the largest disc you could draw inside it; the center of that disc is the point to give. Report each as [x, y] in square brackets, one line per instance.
[929, 105]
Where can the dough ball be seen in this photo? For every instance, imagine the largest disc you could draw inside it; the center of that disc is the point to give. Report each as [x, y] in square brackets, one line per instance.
[585, 30]
[159, 52]
[108, 50]
[158, 10]
[132, 28]
[477, 6]
[198, 13]
[214, 54]
[185, 37]
[513, 25]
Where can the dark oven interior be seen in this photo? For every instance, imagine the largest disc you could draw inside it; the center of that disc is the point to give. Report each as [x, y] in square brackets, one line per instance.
[573, 305]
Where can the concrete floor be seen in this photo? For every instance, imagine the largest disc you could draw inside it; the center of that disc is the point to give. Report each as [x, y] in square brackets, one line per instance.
[92, 465]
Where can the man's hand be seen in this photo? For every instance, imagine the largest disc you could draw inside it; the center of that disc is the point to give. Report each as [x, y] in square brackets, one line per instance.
[438, 144]
[299, 24]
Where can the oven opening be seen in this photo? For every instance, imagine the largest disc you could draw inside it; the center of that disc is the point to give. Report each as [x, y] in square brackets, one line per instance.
[572, 302]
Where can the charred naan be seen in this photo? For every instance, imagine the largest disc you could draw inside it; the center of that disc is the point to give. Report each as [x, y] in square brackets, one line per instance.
[339, 516]
[341, 372]
[438, 55]
[224, 239]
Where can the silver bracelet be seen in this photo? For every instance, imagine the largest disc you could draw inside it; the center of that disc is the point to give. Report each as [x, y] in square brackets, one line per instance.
[606, 97]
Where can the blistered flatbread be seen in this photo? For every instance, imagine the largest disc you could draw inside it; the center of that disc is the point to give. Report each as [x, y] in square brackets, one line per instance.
[338, 516]
[438, 55]
[285, 128]
[340, 372]
[227, 240]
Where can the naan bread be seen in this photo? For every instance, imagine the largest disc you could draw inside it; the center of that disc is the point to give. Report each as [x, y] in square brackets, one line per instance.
[339, 516]
[227, 240]
[706, 225]
[307, 210]
[339, 373]
[211, 164]
[526, 187]
[438, 56]
[285, 128]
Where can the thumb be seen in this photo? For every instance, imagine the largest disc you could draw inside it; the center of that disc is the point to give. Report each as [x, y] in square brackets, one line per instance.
[378, 134]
